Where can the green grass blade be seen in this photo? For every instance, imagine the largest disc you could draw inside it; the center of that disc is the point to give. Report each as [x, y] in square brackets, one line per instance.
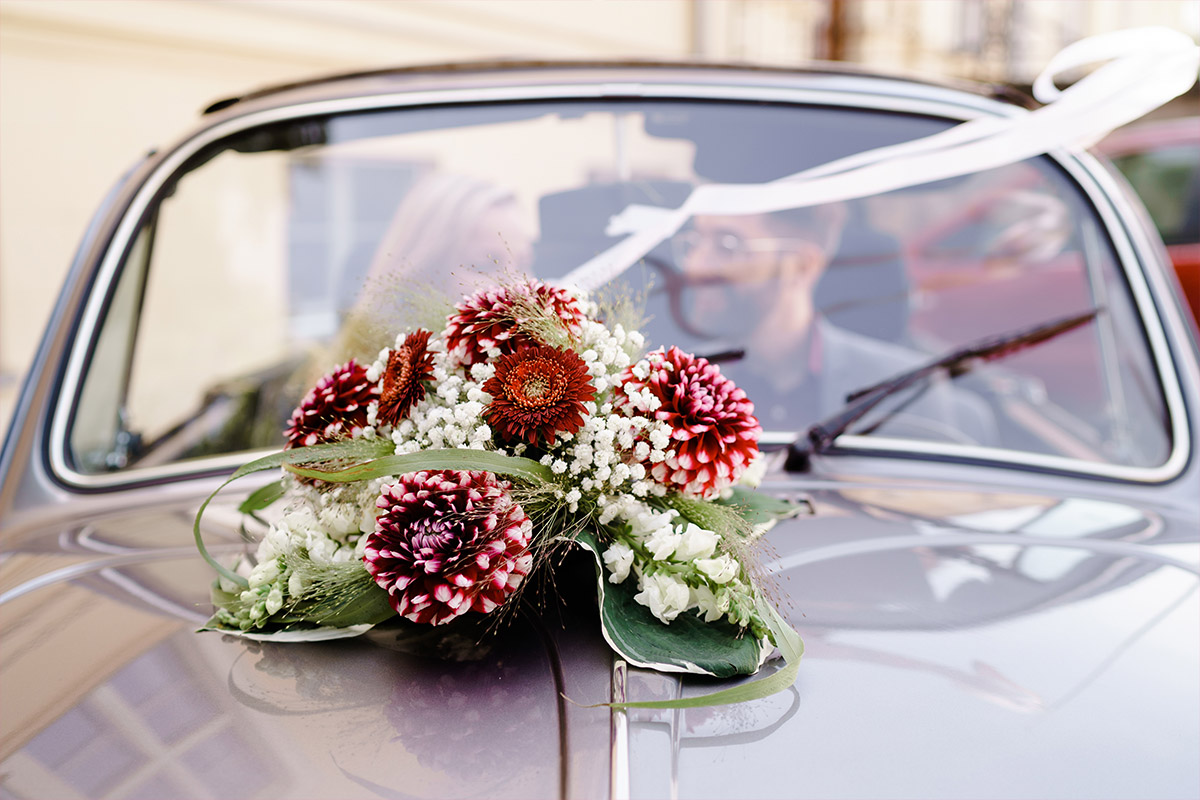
[262, 497]
[353, 448]
[449, 458]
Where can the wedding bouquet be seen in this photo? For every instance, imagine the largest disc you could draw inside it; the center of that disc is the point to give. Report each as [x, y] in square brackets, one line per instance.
[430, 484]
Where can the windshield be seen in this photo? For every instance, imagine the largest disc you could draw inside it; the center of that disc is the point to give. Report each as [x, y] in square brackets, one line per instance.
[282, 251]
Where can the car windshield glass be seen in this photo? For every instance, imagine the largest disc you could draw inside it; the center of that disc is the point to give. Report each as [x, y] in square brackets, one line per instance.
[282, 251]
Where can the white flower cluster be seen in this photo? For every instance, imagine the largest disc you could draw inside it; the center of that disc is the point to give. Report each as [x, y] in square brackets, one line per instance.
[449, 416]
[678, 566]
[327, 525]
[605, 457]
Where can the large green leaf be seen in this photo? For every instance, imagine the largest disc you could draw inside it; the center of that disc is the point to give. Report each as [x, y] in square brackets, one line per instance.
[368, 605]
[688, 644]
[637, 635]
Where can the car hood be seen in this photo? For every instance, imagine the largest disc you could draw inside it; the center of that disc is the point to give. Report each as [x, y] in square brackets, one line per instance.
[960, 643]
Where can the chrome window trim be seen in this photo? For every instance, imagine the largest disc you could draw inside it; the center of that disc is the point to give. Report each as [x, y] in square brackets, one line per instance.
[960, 107]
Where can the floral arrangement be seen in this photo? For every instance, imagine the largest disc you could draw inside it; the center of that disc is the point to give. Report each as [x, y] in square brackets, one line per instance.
[429, 485]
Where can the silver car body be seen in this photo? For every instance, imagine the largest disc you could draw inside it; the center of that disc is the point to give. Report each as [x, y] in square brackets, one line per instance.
[978, 623]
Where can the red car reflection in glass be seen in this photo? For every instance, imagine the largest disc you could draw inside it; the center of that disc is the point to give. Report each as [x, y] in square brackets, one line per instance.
[1161, 160]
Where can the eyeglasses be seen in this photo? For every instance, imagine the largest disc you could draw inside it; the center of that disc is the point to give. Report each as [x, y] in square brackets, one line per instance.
[725, 246]
[717, 298]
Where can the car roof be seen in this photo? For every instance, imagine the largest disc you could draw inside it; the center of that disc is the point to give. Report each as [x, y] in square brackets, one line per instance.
[517, 72]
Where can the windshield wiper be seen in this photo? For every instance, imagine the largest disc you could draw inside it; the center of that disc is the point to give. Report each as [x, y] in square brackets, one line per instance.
[721, 356]
[820, 436]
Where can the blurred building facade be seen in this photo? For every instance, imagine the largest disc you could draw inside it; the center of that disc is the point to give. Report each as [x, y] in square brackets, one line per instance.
[87, 85]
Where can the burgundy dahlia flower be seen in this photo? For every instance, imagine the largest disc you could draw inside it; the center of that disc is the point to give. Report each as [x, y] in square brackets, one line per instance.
[335, 409]
[408, 366]
[713, 429]
[490, 318]
[447, 542]
[537, 393]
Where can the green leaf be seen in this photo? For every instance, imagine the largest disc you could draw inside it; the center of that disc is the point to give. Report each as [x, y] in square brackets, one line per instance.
[355, 603]
[370, 606]
[759, 507]
[262, 497]
[352, 448]
[450, 458]
[688, 644]
[649, 635]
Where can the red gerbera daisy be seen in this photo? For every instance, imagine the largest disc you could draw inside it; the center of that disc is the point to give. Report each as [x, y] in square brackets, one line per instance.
[491, 318]
[713, 430]
[335, 409]
[448, 542]
[538, 393]
[407, 367]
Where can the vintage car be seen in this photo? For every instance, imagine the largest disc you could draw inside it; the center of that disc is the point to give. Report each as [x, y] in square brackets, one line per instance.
[995, 567]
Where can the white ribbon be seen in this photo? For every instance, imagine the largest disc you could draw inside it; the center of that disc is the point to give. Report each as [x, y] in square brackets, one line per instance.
[1145, 68]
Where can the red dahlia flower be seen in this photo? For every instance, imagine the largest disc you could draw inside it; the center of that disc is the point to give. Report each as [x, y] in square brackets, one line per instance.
[537, 393]
[448, 542]
[490, 318]
[713, 430]
[335, 409]
[407, 367]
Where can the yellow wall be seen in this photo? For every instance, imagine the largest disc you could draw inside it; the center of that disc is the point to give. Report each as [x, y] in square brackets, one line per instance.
[86, 86]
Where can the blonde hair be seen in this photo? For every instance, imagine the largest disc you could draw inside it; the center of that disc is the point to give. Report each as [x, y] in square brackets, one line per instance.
[412, 276]
[431, 230]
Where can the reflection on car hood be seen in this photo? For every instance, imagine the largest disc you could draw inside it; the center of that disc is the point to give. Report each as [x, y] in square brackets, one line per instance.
[959, 644]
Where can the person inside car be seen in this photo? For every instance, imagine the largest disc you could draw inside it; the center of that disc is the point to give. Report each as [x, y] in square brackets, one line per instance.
[450, 235]
[750, 281]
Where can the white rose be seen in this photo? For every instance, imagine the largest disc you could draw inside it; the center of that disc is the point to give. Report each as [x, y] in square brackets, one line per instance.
[274, 600]
[366, 520]
[340, 519]
[711, 604]
[663, 542]
[665, 595]
[721, 569]
[264, 573]
[755, 472]
[695, 542]
[618, 558]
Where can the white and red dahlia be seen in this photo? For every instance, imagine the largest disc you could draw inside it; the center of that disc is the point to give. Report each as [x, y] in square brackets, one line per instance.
[335, 409]
[448, 542]
[491, 319]
[714, 434]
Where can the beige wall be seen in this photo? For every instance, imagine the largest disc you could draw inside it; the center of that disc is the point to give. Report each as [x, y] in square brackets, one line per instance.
[86, 86]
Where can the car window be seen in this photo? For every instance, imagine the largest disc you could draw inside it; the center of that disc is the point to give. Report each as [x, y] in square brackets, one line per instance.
[281, 251]
[1167, 179]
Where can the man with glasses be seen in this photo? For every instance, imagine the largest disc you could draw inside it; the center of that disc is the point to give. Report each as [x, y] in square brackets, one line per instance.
[748, 284]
